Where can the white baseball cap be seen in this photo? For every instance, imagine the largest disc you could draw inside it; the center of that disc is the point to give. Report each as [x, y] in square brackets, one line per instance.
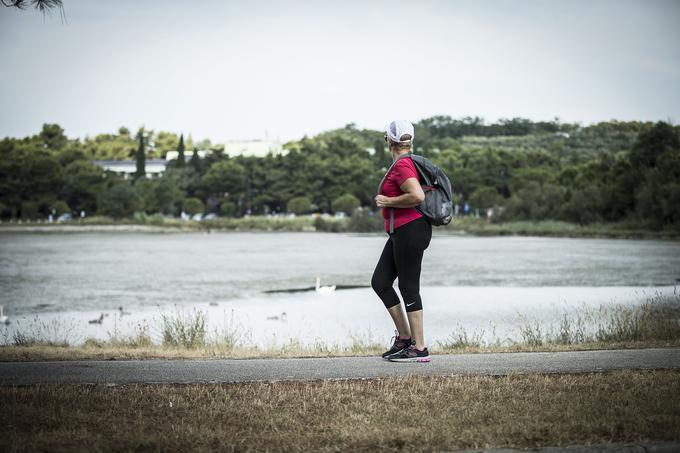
[397, 128]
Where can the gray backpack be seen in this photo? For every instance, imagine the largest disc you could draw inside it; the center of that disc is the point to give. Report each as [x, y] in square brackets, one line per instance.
[437, 207]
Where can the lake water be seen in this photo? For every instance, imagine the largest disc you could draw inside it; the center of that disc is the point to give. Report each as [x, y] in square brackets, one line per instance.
[64, 280]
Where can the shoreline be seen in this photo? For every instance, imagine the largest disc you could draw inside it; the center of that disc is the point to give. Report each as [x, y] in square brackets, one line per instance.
[654, 323]
[97, 351]
[84, 228]
[464, 227]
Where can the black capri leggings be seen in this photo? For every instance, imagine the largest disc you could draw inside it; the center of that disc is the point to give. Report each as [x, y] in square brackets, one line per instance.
[401, 257]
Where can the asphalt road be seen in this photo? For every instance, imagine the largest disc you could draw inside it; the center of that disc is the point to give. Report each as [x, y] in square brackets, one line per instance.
[247, 370]
[641, 447]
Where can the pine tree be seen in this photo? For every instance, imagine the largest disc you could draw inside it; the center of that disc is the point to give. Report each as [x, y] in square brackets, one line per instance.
[194, 162]
[140, 156]
[180, 151]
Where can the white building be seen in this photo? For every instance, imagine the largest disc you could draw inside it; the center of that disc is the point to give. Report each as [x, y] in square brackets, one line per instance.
[172, 155]
[256, 148]
[127, 168]
[153, 167]
[156, 167]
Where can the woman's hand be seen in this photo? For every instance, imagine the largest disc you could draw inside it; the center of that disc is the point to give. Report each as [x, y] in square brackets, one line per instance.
[382, 201]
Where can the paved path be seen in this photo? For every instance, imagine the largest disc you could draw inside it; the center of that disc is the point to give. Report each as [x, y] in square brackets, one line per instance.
[245, 370]
[642, 447]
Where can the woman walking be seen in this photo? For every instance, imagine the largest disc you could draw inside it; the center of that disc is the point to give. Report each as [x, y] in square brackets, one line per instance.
[409, 235]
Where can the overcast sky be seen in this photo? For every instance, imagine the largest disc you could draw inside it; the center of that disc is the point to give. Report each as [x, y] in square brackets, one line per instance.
[228, 70]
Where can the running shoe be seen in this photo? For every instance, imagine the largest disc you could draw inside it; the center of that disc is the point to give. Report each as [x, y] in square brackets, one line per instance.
[397, 345]
[410, 354]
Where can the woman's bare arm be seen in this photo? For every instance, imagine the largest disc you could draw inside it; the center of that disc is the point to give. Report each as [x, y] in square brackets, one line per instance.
[413, 196]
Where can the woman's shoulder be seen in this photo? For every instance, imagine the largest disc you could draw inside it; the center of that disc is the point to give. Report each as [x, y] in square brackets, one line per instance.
[405, 161]
[404, 168]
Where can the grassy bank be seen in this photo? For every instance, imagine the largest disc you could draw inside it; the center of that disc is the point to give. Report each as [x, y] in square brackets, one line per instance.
[358, 223]
[392, 414]
[109, 351]
[654, 323]
[483, 227]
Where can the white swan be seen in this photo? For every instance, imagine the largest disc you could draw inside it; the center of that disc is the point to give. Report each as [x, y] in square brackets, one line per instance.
[3, 319]
[323, 289]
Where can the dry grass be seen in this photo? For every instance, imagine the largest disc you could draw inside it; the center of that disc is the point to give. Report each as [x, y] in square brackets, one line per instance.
[91, 351]
[395, 414]
[654, 323]
[106, 351]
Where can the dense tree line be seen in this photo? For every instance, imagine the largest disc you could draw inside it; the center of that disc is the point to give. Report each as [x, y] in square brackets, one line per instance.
[607, 172]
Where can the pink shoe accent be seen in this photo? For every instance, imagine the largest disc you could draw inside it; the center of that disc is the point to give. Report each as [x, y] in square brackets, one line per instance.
[423, 360]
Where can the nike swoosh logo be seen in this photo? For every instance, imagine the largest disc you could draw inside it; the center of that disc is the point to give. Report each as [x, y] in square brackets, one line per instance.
[408, 305]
